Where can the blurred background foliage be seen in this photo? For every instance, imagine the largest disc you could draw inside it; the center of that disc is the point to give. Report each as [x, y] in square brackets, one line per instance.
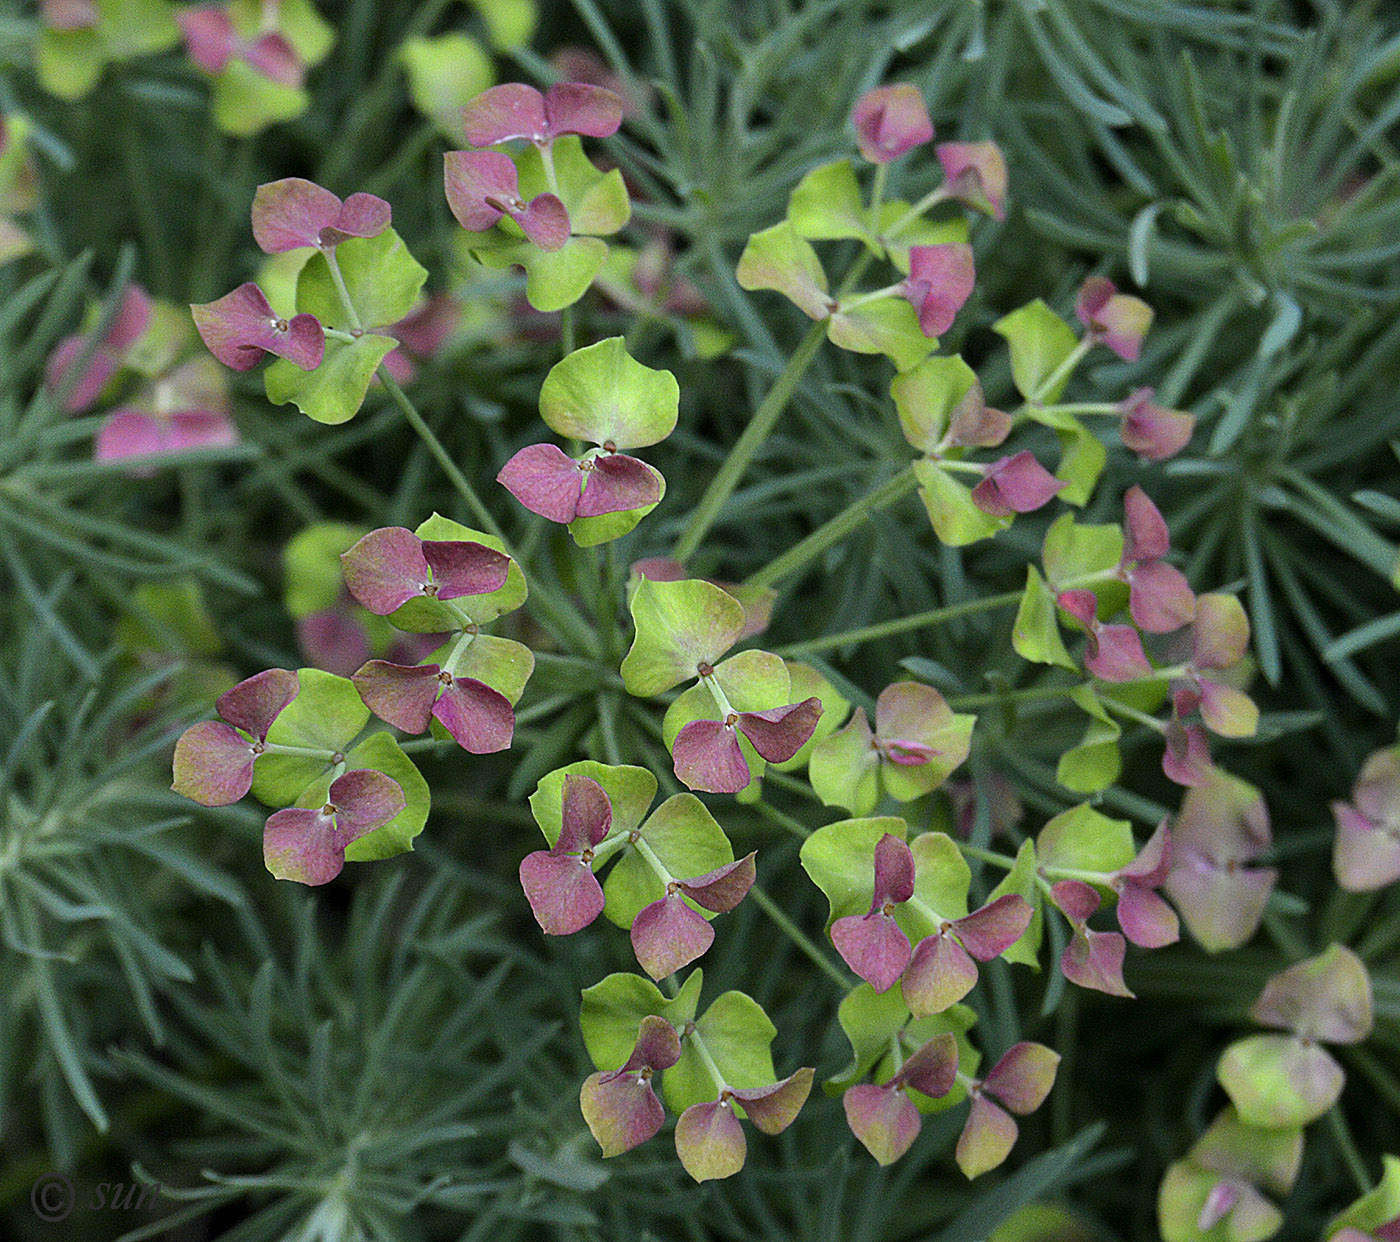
[397, 1056]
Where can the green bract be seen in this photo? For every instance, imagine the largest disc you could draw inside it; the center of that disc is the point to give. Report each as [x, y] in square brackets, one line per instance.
[1022, 880]
[69, 62]
[630, 790]
[603, 395]
[326, 716]
[680, 626]
[1040, 342]
[778, 258]
[1082, 839]
[888, 326]
[684, 837]
[335, 390]
[444, 72]
[1035, 634]
[311, 566]
[840, 859]
[956, 520]
[381, 277]
[827, 205]
[554, 279]
[926, 397]
[737, 1035]
[613, 1009]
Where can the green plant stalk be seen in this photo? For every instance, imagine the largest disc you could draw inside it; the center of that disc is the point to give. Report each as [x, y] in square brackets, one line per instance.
[747, 445]
[799, 937]
[902, 625]
[1351, 1157]
[1030, 694]
[834, 531]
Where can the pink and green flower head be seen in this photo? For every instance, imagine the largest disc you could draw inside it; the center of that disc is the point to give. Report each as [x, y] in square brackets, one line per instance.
[1222, 827]
[308, 845]
[1219, 637]
[683, 631]
[709, 1139]
[1015, 484]
[484, 186]
[187, 409]
[873, 944]
[212, 42]
[559, 883]
[941, 279]
[1112, 318]
[1145, 918]
[916, 744]
[1018, 1083]
[1114, 652]
[241, 327]
[621, 1106]
[889, 121]
[883, 1117]
[390, 566]
[1375, 1216]
[602, 396]
[1159, 597]
[214, 760]
[1291, 1079]
[515, 110]
[104, 359]
[669, 934]
[1186, 757]
[1092, 959]
[942, 969]
[1366, 849]
[392, 570]
[975, 175]
[670, 869]
[294, 213]
[1152, 431]
[1218, 1190]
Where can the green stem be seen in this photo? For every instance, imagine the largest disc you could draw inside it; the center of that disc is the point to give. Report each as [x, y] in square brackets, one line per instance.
[1031, 694]
[1084, 407]
[901, 625]
[148, 218]
[351, 314]
[747, 445]
[930, 199]
[607, 724]
[987, 856]
[877, 196]
[875, 295]
[1063, 371]
[1351, 1157]
[799, 937]
[692, 1034]
[782, 819]
[449, 467]
[834, 531]
[566, 331]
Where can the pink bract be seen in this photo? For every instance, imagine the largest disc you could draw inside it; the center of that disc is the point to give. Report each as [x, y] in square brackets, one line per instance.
[515, 110]
[889, 121]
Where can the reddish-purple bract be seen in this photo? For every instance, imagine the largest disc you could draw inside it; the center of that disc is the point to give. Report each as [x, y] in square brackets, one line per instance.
[515, 110]
[668, 935]
[975, 175]
[1016, 484]
[889, 121]
[1152, 431]
[483, 186]
[240, 327]
[941, 279]
[309, 845]
[294, 212]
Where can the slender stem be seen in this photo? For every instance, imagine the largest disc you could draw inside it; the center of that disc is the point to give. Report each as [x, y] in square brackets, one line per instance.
[449, 467]
[901, 625]
[1351, 1156]
[834, 531]
[798, 937]
[692, 1034]
[1084, 407]
[987, 856]
[877, 196]
[747, 445]
[566, 331]
[607, 723]
[930, 199]
[351, 314]
[781, 819]
[1030, 694]
[1063, 371]
[875, 295]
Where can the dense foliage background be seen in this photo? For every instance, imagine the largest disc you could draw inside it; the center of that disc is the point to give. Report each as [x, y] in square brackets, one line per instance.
[396, 1055]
